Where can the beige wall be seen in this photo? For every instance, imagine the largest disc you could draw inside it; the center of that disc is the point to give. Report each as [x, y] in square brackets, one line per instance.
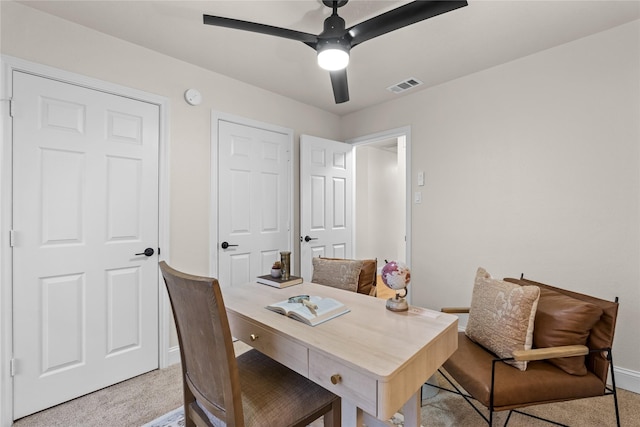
[531, 167]
[44, 39]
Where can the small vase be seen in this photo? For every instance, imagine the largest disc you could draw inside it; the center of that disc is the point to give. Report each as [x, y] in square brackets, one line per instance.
[285, 263]
[275, 273]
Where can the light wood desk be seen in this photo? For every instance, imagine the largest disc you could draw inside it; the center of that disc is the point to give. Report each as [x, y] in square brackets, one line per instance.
[379, 359]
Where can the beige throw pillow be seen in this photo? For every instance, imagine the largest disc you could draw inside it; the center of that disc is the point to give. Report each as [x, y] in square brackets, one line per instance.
[501, 316]
[338, 273]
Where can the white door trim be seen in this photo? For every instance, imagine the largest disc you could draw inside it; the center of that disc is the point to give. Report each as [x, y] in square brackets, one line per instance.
[216, 116]
[381, 136]
[8, 65]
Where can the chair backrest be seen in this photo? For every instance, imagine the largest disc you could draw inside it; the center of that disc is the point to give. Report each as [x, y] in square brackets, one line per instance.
[209, 367]
[601, 335]
[368, 275]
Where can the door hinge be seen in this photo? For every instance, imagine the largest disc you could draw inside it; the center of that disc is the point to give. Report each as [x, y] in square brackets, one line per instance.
[12, 367]
[11, 107]
[12, 238]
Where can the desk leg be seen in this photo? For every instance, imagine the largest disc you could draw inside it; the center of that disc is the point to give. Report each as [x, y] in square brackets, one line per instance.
[412, 412]
[371, 421]
[356, 417]
[351, 414]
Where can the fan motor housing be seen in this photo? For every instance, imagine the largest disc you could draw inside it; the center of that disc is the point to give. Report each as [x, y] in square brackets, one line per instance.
[334, 26]
[330, 3]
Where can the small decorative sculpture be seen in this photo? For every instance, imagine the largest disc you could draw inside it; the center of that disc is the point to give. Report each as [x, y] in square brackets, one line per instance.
[396, 276]
[275, 270]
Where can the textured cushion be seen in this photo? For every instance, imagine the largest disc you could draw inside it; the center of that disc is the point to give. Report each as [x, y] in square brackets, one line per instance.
[338, 273]
[501, 316]
[367, 277]
[602, 333]
[562, 320]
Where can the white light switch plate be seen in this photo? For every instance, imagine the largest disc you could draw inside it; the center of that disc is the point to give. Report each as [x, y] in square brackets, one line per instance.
[417, 197]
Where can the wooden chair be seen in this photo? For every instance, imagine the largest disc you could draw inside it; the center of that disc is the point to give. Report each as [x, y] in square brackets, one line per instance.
[488, 380]
[220, 389]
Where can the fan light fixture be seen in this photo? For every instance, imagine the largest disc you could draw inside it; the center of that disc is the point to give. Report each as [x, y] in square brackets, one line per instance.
[333, 59]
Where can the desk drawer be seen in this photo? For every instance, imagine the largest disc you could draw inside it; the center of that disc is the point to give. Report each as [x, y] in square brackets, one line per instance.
[351, 384]
[284, 350]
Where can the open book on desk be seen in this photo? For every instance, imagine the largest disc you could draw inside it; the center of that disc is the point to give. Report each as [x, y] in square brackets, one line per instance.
[312, 312]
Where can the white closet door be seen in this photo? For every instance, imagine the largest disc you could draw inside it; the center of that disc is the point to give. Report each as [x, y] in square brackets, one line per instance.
[85, 200]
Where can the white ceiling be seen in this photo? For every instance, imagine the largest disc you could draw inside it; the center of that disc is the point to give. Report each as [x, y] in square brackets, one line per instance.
[481, 35]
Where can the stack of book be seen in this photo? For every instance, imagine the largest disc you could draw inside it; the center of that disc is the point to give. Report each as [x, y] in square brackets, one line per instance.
[279, 282]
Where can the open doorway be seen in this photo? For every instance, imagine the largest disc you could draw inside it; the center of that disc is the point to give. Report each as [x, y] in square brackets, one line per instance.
[381, 202]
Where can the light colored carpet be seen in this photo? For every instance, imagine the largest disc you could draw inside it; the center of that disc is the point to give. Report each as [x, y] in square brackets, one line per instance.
[447, 410]
[174, 418]
[140, 400]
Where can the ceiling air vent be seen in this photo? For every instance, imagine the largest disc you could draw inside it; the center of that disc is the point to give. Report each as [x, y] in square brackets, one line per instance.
[405, 85]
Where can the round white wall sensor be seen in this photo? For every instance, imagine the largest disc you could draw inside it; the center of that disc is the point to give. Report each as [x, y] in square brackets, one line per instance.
[193, 97]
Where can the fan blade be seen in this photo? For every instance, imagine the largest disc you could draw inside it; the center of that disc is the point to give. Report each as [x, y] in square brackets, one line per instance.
[219, 21]
[400, 17]
[340, 86]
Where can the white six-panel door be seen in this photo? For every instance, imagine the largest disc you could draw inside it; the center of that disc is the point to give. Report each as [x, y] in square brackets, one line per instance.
[253, 201]
[85, 191]
[326, 200]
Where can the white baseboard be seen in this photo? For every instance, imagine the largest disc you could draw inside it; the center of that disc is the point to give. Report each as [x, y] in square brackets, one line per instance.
[627, 379]
[174, 356]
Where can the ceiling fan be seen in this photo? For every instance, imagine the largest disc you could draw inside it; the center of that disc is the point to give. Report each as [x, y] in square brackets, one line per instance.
[334, 43]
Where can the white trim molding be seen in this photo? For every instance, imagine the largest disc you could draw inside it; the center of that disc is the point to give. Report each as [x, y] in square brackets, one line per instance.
[381, 136]
[627, 379]
[174, 355]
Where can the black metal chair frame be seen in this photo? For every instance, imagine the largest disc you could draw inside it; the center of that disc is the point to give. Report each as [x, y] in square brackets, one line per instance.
[610, 390]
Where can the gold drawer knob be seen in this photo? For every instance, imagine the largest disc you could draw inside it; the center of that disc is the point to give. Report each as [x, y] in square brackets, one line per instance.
[253, 337]
[335, 378]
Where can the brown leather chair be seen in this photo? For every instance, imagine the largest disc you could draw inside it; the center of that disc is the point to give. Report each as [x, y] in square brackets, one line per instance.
[554, 373]
[220, 389]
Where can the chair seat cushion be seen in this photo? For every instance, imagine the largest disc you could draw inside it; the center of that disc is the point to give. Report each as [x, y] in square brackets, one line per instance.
[274, 395]
[542, 382]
